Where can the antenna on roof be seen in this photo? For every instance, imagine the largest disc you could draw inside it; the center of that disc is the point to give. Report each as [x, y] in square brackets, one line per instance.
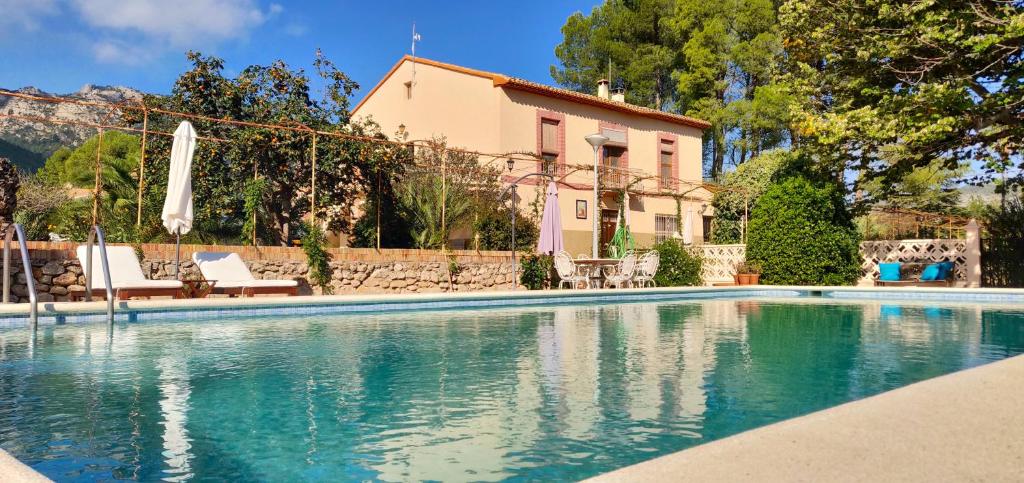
[415, 38]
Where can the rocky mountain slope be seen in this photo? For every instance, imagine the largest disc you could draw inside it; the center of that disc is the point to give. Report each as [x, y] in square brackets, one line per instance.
[29, 143]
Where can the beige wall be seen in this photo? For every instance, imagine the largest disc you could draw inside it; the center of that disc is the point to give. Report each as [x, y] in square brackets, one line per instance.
[473, 114]
[460, 107]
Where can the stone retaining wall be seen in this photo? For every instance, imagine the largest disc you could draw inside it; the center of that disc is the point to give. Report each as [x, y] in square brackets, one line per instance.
[56, 271]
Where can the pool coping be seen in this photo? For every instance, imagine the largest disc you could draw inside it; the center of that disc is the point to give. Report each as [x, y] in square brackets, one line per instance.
[955, 427]
[140, 310]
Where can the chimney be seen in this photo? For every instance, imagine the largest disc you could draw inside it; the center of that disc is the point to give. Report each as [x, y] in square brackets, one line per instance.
[602, 88]
[619, 95]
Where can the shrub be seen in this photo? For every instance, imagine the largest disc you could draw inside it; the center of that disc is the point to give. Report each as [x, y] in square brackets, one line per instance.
[678, 267]
[495, 230]
[535, 270]
[742, 189]
[318, 259]
[803, 234]
[1004, 247]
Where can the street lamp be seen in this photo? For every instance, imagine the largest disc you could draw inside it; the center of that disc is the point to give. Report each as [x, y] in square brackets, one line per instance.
[596, 140]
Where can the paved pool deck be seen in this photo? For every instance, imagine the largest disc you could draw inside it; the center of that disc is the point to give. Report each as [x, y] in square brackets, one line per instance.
[965, 426]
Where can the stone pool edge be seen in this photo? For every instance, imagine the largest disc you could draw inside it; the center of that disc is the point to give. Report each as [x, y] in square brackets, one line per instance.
[139, 310]
[963, 426]
[14, 471]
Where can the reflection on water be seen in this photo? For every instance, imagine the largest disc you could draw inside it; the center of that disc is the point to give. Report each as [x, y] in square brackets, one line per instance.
[540, 393]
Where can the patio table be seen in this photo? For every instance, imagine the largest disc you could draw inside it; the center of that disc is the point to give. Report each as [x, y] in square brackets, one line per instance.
[594, 266]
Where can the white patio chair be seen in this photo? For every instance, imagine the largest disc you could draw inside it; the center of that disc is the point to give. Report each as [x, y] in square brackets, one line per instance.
[231, 276]
[622, 275]
[568, 271]
[647, 267]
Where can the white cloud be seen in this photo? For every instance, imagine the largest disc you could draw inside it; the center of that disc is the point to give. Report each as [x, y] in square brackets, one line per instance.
[182, 23]
[296, 29]
[25, 13]
[114, 52]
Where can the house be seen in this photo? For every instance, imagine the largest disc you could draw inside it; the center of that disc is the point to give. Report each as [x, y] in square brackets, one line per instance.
[657, 154]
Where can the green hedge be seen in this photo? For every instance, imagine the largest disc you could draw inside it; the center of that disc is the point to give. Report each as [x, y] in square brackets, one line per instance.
[803, 234]
[679, 267]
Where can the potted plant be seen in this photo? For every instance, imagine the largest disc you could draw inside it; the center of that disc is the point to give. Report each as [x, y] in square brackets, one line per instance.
[747, 273]
[754, 272]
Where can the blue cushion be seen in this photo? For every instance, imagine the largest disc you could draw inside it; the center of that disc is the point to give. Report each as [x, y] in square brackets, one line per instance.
[931, 272]
[945, 268]
[889, 272]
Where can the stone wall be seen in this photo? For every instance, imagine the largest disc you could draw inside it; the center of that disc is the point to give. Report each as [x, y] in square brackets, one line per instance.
[56, 271]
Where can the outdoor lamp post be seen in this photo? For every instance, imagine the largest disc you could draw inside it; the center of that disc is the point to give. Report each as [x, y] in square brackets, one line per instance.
[596, 140]
[512, 205]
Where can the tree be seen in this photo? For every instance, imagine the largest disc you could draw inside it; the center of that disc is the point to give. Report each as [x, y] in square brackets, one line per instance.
[930, 188]
[732, 51]
[801, 233]
[712, 60]
[274, 95]
[10, 180]
[889, 86]
[740, 191]
[632, 39]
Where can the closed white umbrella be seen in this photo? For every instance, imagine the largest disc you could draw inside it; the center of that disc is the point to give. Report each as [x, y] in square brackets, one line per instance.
[177, 212]
[688, 228]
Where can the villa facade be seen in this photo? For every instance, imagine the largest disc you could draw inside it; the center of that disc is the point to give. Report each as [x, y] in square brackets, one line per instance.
[656, 154]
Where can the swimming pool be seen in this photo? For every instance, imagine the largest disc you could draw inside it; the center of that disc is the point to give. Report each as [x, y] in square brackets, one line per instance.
[537, 392]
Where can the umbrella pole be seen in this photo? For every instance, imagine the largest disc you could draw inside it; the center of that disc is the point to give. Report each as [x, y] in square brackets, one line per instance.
[177, 254]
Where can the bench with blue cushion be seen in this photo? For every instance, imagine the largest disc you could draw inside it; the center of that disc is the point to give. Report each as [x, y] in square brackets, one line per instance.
[915, 274]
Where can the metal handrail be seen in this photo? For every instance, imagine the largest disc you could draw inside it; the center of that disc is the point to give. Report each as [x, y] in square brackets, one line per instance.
[96, 236]
[33, 300]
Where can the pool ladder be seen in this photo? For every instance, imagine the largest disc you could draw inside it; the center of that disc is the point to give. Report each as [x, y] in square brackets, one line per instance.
[26, 266]
[95, 236]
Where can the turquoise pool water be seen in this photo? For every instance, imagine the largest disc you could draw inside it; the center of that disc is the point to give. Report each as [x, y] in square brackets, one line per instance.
[503, 394]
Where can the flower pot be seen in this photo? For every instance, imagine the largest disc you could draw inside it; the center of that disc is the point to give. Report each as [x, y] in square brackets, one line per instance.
[736, 278]
[754, 278]
[744, 278]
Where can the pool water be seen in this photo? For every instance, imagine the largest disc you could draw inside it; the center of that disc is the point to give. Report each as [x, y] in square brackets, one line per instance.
[549, 393]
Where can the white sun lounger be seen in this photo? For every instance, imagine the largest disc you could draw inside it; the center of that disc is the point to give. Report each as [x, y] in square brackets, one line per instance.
[126, 277]
[230, 276]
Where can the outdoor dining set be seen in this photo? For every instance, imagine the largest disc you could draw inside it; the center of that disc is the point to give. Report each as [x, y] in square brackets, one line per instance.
[629, 271]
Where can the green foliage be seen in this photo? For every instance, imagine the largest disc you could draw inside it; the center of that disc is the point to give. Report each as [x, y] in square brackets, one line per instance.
[253, 211]
[732, 52]
[317, 257]
[930, 188]
[271, 94]
[712, 60]
[741, 189]
[494, 229]
[1003, 254]
[26, 159]
[889, 86]
[803, 234]
[679, 266]
[535, 270]
[632, 39]
[40, 207]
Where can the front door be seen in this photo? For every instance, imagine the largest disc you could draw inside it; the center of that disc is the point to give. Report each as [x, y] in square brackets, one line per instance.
[608, 219]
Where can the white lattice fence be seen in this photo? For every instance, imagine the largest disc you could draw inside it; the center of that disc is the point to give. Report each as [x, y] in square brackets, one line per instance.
[720, 261]
[875, 252]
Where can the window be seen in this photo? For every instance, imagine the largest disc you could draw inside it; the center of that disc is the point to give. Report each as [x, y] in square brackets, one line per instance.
[665, 175]
[612, 162]
[664, 227]
[549, 146]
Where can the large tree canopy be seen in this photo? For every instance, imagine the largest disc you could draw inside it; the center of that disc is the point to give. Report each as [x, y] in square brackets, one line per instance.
[712, 60]
[274, 95]
[887, 86]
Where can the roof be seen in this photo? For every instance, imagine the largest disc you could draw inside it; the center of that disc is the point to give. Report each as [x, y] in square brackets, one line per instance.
[507, 82]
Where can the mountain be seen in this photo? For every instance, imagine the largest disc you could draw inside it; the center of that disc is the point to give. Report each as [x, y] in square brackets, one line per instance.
[28, 143]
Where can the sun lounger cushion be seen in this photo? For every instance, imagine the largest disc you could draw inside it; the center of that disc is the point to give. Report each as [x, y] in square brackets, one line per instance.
[229, 270]
[125, 269]
[889, 272]
[931, 272]
[945, 269]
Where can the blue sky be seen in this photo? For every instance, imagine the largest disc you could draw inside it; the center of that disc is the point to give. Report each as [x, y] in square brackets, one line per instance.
[60, 45]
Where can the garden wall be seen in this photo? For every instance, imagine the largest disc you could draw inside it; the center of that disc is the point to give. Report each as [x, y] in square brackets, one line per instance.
[56, 269]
